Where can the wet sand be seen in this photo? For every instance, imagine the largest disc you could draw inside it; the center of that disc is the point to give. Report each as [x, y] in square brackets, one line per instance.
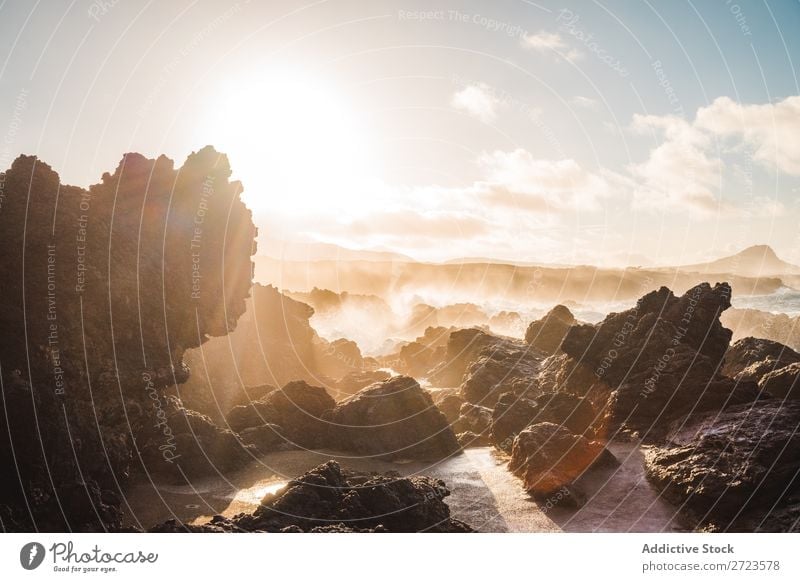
[484, 494]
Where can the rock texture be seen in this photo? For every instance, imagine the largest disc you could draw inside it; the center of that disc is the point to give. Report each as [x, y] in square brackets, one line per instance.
[750, 358]
[295, 412]
[661, 359]
[395, 419]
[513, 413]
[546, 334]
[103, 292]
[328, 499]
[549, 458]
[783, 383]
[735, 470]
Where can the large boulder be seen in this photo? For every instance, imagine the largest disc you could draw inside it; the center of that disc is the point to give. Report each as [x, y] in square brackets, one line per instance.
[733, 467]
[783, 383]
[513, 413]
[549, 459]
[356, 380]
[328, 499]
[546, 334]
[661, 358]
[502, 366]
[395, 419]
[298, 409]
[104, 290]
[750, 358]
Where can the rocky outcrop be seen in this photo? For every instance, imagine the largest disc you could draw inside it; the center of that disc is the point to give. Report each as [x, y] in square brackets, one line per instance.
[661, 359]
[118, 282]
[449, 403]
[546, 334]
[503, 365]
[473, 418]
[750, 358]
[355, 381]
[296, 412]
[514, 413]
[462, 349]
[783, 383]
[549, 459]
[395, 419]
[328, 499]
[734, 470]
[778, 327]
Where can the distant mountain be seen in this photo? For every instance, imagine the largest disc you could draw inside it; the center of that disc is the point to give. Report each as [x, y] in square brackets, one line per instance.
[755, 261]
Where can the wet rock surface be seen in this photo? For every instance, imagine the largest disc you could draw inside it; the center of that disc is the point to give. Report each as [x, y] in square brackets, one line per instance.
[549, 458]
[393, 419]
[661, 358]
[328, 499]
[736, 470]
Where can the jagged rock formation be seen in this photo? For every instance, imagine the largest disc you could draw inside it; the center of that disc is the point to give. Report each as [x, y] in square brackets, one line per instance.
[328, 499]
[513, 413]
[355, 381]
[783, 383]
[104, 291]
[750, 358]
[503, 366]
[395, 419]
[546, 334]
[660, 359]
[736, 470]
[462, 348]
[549, 458]
[419, 357]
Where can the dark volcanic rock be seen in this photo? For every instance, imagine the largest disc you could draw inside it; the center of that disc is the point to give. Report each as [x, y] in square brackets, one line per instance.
[297, 408]
[326, 499]
[661, 358]
[549, 458]
[504, 365]
[449, 402]
[513, 413]
[143, 250]
[462, 349]
[473, 418]
[394, 419]
[750, 358]
[546, 334]
[732, 468]
[470, 439]
[783, 383]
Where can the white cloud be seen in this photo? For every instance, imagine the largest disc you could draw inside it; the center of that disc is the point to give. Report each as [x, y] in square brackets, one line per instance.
[544, 41]
[772, 129]
[518, 180]
[478, 100]
[678, 174]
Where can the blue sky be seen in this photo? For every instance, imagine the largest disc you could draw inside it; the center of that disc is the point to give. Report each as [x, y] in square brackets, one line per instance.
[531, 131]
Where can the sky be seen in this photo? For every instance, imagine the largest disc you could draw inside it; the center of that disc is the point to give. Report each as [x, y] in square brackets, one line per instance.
[610, 133]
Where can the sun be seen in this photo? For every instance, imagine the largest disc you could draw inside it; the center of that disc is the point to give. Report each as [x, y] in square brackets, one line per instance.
[293, 140]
